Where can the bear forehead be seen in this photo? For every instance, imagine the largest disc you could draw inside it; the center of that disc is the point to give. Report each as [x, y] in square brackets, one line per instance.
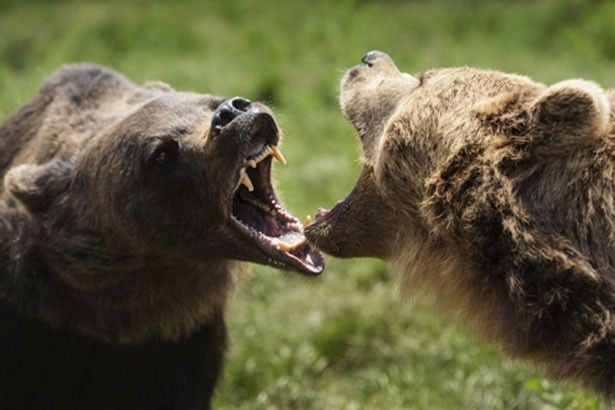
[182, 100]
[177, 113]
[475, 82]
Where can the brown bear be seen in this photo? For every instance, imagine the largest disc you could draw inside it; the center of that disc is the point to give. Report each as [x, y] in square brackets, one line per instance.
[495, 192]
[124, 210]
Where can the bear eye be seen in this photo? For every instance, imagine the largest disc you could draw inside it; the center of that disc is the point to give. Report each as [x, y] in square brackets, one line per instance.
[165, 152]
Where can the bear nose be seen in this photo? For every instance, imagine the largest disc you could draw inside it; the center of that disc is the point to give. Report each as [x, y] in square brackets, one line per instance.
[372, 56]
[227, 111]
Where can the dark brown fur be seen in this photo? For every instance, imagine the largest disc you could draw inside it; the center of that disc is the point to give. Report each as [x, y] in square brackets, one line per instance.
[115, 267]
[502, 200]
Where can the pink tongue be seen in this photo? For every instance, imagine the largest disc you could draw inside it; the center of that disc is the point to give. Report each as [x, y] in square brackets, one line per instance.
[271, 226]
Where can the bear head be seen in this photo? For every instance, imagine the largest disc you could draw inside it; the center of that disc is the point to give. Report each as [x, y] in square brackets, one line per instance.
[152, 171]
[412, 128]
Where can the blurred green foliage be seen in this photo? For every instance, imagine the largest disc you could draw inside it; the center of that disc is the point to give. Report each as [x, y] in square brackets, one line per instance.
[346, 339]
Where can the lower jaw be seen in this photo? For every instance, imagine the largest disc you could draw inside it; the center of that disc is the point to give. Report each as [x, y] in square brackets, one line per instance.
[312, 265]
[288, 265]
[323, 236]
[349, 241]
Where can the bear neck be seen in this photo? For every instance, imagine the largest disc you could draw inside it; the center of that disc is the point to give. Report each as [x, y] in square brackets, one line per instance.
[77, 283]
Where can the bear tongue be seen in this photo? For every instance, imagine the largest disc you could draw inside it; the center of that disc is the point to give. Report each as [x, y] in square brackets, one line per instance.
[271, 226]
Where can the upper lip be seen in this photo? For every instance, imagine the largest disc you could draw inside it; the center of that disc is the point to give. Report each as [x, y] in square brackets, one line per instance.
[258, 194]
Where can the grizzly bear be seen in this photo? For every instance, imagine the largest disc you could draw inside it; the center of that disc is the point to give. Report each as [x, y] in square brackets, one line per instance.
[497, 194]
[124, 210]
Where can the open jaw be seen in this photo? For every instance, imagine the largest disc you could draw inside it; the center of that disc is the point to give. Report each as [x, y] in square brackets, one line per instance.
[258, 214]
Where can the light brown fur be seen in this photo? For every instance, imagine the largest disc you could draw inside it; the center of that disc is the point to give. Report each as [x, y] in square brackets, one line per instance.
[496, 193]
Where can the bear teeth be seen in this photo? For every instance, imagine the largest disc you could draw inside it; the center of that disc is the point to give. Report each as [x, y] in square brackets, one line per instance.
[277, 154]
[268, 150]
[258, 203]
[245, 179]
[264, 154]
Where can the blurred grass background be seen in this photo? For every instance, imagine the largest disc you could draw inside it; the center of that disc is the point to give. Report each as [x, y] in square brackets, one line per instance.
[345, 340]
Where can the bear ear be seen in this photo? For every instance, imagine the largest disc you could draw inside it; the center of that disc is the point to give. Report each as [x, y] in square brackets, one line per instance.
[502, 113]
[36, 186]
[572, 108]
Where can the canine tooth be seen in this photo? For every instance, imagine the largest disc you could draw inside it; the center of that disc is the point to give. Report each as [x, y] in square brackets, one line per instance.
[277, 154]
[307, 220]
[245, 179]
[251, 163]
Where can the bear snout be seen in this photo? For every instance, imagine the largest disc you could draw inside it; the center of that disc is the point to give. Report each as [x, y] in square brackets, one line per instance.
[227, 111]
[372, 56]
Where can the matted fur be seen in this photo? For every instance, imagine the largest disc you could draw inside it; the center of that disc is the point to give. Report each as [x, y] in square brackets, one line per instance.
[499, 198]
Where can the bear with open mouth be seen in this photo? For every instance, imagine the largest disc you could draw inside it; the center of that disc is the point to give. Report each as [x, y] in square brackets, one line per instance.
[496, 193]
[123, 212]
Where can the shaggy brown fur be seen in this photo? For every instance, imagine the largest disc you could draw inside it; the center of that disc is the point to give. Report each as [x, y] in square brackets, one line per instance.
[117, 242]
[498, 194]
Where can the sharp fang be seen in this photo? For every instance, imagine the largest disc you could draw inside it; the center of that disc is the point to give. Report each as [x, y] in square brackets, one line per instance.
[277, 154]
[251, 163]
[245, 179]
[307, 220]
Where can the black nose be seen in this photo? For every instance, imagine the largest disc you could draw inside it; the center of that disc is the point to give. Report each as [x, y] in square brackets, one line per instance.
[227, 112]
[372, 56]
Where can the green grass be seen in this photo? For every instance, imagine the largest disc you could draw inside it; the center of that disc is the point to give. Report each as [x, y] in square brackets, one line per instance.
[346, 339]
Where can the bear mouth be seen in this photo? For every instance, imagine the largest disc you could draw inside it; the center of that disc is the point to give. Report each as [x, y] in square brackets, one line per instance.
[259, 215]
